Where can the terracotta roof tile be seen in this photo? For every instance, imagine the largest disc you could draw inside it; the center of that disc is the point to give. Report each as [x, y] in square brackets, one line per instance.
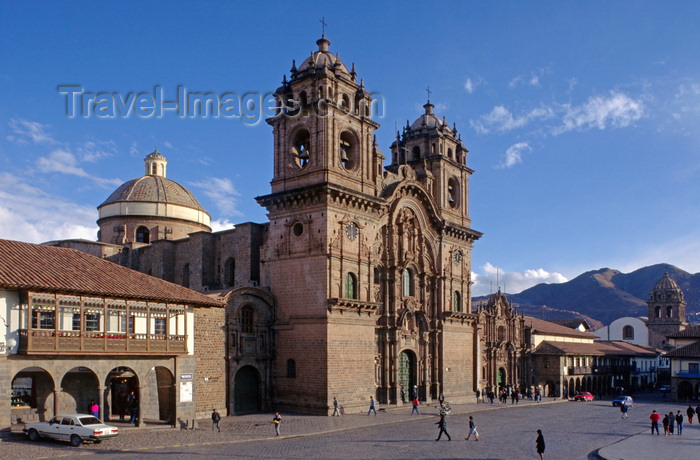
[689, 332]
[546, 327]
[688, 351]
[62, 270]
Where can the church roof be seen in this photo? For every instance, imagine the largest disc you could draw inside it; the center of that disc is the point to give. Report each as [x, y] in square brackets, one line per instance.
[540, 326]
[430, 120]
[688, 351]
[154, 189]
[666, 283]
[691, 332]
[26, 266]
[601, 348]
[324, 58]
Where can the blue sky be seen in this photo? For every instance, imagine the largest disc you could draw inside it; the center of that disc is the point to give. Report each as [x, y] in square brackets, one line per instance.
[581, 117]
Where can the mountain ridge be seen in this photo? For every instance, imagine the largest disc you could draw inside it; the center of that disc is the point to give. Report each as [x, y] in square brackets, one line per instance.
[604, 295]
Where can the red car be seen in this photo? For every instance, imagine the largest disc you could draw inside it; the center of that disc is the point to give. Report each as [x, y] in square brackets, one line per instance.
[583, 396]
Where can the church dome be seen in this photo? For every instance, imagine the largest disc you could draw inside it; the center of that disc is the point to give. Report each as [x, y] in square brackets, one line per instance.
[666, 284]
[324, 58]
[151, 207]
[154, 189]
[430, 120]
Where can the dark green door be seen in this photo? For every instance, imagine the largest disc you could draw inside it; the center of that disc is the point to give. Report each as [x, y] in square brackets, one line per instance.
[407, 371]
[246, 397]
[501, 377]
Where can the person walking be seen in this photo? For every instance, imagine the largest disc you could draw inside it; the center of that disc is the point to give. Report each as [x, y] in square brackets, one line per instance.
[671, 422]
[336, 410]
[442, 423]
[690, 413]
[441, 399]
[403, 395]
[94, 409]
[539, 442]
[133, 407]
[679, 422]
[624, 409]
[277, 421]
[415, 403]
[654, 417]
[215, 420]
[371, 406]
[664, 422]
[472, 430]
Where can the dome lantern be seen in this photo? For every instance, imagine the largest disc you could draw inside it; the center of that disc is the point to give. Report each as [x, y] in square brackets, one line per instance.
[155, 164]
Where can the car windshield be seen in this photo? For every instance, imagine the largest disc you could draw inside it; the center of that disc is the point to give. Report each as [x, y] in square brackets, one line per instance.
[89, 421]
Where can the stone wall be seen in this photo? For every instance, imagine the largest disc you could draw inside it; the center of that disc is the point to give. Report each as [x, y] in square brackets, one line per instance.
[210, 352]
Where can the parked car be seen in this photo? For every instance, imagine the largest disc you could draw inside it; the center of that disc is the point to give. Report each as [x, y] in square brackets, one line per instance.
[627, 400]
[74, 428]
[665, 388]
[583, 396]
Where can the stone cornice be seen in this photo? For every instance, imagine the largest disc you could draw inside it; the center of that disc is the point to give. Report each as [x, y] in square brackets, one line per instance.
[352, 305]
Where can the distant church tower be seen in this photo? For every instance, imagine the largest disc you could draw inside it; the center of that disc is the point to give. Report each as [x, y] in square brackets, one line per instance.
[666, 311]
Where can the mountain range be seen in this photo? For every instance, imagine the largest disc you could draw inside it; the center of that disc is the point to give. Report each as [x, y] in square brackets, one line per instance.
[601, 296]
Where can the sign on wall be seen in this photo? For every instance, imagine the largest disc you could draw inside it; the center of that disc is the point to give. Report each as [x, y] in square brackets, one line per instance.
[185, 391]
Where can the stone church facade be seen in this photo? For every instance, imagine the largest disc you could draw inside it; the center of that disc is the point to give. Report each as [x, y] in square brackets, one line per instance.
[359, 285]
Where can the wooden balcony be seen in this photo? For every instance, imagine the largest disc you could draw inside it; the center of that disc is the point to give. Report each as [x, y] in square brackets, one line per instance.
[43, 341]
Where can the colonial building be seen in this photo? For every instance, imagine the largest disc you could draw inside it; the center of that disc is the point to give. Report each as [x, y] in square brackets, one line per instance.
[79, 328]
[685, 363]
[358, 286]
[503, 350]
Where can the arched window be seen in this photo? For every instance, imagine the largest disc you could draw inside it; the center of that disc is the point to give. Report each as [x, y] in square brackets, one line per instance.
[628, 333]
[669, 311]
[142, 235]
[291, 369]
[457, 301]
[186, 275]
[377, 275]
[407, 282]
[247, 320]
[350, 286]
[658, 312]
[229, 272]
[416, 153]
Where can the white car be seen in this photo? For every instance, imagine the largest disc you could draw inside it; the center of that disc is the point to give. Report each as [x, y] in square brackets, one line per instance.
[74, 428]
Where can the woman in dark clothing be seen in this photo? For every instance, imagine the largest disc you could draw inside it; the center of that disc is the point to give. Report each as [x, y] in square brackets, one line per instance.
[665, 424]
[540, 444]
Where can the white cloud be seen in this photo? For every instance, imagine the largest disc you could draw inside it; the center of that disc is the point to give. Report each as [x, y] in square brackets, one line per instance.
[221, 224]
[60, 161]
[471, 85]
[527, 80]
[501, 119]
[168, 145]
[222, 192]
[65, 162]
[617, 110]
[29, 214]
[26, 131]
[514, 155]
[512, 282]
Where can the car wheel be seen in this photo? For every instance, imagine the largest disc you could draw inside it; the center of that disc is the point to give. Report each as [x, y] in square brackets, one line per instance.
[97, 441]
[33, 435]
[75, 440]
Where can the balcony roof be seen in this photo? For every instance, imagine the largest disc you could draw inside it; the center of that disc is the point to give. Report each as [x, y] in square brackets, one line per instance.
[26, 266]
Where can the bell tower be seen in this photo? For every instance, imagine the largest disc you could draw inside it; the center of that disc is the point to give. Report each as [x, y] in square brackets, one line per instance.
[323, 129]
[666, 311]
[436, 153]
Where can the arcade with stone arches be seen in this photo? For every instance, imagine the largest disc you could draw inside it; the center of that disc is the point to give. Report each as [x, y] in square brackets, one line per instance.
[44, 388]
